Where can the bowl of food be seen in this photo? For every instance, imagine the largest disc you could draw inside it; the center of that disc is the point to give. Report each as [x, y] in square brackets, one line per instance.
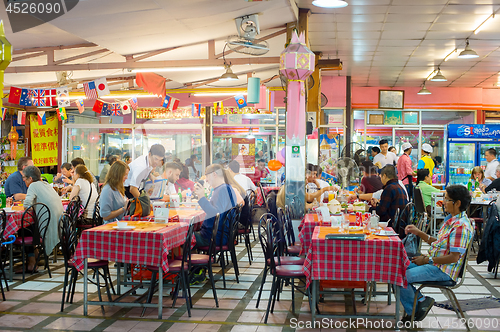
[383, 224]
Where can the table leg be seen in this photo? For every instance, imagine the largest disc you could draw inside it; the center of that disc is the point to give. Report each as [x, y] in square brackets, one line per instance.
[314, 299]
[397, 294]
[118, 277]
[160, 292]
[85, 285]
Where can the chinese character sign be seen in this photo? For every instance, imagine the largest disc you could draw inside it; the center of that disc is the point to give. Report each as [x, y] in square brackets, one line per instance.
[44, 141]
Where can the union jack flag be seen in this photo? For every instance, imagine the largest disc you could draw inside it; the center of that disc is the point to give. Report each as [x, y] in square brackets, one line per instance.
[38, 97]
[115, 109]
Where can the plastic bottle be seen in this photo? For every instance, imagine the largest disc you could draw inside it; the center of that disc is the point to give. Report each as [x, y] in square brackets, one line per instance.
[188, 195]
[374, 219]
[180, 195]
[3, 198]
[315, 203]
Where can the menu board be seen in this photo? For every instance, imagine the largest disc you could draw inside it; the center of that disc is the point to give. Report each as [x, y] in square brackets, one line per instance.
[243, 151]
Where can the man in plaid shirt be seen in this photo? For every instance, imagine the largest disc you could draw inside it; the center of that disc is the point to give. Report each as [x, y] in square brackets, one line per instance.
[393, 197]
[446, 253]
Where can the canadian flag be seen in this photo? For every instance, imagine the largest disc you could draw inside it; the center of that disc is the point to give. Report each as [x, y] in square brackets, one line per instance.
[101, 86]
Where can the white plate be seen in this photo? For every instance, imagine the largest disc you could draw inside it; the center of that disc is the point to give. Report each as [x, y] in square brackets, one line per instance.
[8, 209]
[126, 228]
[386, 233]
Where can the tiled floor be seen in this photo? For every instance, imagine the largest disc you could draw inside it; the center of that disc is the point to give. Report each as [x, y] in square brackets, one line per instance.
[35, 306]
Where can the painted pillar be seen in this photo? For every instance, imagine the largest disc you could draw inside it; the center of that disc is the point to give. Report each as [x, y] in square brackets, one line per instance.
[296, 64]
[5, 57]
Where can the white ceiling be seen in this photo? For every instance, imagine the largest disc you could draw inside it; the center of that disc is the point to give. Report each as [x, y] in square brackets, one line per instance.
[380, 42]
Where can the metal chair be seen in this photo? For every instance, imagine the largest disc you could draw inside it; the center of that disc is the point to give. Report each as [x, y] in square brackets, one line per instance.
[34, 236]
[448, 287]
[3, 224]
[264, 198]
[68, 237]
[406, 217]
[246, 222]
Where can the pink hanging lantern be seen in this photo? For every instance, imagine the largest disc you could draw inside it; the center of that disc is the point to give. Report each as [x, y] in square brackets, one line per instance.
[297, 64]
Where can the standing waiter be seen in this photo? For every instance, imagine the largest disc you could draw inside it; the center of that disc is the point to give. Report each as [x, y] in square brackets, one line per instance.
[141, 168]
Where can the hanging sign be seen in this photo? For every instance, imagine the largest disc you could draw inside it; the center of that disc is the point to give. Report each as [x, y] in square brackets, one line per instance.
[335, 119]
[44, 141]
[243, 151]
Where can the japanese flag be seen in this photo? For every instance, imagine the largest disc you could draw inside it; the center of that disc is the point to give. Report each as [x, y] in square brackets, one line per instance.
[125, 106]
[101, 86]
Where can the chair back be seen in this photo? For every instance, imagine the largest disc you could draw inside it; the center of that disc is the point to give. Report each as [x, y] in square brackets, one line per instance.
[418, 199]
[288, 226]
[463, 268]
[406, 217]
[246, 210]
[271, 204]
[233, 233]
[40, 214]
[96, 215]
[264, 198]
[3, 225]
[186, 247]
[213, 239]
[74, 208]
[225, 225]
[265, 221]
[68, 236]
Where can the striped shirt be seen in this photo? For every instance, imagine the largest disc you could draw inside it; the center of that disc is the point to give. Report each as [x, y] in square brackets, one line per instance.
[454, 236]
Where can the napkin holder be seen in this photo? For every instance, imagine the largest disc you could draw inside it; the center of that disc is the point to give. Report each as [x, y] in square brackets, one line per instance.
[323, 213]
[161, 212]
[174, 201]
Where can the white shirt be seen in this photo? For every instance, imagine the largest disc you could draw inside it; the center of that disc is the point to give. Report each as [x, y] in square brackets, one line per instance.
[491, 169]
[170, 189]
[390, 159]
[139, 171]
[378, 193]
[84, 195]
[245, 182]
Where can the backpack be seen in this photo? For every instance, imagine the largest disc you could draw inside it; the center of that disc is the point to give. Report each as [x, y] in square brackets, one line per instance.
[411, 245]
[141, 206]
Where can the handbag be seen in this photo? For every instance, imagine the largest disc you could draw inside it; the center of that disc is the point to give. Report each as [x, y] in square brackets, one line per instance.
[81, 219]
[141, 206]
[411, 245]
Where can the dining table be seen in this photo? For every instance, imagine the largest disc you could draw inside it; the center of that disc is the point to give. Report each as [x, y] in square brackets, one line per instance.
[148, 243]
[374, 259]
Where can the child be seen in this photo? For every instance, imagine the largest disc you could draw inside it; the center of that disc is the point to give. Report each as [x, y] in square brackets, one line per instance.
[477, 176]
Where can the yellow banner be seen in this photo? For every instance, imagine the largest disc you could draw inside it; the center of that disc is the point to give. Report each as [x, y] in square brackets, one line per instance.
[44, 140]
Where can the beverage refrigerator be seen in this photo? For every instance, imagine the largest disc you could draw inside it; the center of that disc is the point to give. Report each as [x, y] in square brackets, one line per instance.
[465, 147]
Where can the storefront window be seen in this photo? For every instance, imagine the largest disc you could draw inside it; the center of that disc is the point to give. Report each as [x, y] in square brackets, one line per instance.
[94, 144]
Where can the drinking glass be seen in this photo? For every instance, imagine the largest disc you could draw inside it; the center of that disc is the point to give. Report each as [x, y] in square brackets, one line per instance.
[345, 223]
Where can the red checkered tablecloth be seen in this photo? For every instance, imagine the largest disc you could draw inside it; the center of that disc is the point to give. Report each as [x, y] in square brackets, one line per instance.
[14, 222]
[381, 259]
[138, 246]
[259, 200]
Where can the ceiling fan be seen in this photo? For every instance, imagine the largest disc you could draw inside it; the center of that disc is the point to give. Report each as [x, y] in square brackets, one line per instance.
[245, 42]
[64, 79]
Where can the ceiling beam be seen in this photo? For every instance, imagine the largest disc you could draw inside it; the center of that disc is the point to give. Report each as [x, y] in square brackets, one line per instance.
[211, 49]
[52, 48]
[142, 64]
[272, 35]
[80, 56]
[28, 56]
[153, 53]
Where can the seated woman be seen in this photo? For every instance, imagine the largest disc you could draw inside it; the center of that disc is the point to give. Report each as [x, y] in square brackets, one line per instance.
[183, 182]
[42, 192]
[446, 254]
[423, 182]
[222, 200]
[477, 176]
[113, 202]
[86, 190]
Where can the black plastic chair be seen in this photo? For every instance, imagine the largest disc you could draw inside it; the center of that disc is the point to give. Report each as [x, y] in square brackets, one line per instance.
[179, 269]
[33, 234]
[280, 272]
[68, 239]
[407, 216]
[278, 250]
[207, 260]
[246, 221]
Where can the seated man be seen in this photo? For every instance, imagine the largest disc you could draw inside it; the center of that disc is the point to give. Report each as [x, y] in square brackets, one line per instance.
[66, 175]
[260, 171]
[222, 200]
[496, 183]
[393, 196]
[14, 185]
[446, 253]
[244, 181]
[370, 182]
